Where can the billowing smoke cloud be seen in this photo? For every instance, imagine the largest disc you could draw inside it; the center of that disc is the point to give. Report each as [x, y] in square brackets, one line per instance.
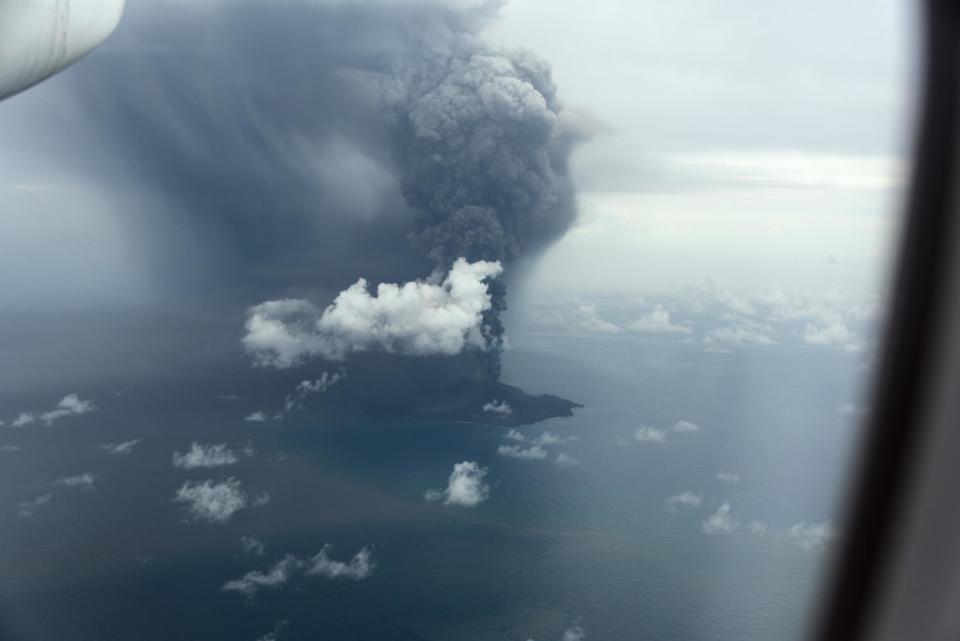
[482, 155]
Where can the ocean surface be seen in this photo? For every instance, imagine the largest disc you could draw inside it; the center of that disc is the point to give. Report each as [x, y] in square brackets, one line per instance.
[595, 543]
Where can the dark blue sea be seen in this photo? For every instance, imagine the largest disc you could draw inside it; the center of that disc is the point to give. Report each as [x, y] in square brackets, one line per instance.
[593, 544]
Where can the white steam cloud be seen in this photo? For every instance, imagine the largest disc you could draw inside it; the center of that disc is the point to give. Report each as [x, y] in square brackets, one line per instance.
[421, 318]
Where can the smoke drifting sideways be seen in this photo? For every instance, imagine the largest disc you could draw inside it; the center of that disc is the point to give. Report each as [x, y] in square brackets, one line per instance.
[483, 159]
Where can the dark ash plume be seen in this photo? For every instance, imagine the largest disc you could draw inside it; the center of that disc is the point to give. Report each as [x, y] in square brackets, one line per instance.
[483, 157]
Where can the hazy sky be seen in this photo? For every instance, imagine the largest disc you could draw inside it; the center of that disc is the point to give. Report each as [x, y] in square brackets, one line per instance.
[760, 144]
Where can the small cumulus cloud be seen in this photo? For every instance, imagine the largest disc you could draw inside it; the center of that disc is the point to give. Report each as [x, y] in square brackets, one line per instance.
[575, 632]
[587, 319]
[832, 332]
[465, 487]
[10, 448]
[274, 635]
[213, 455]
[731, 478]
[720, 522]
[548, 438]
[647, 434]
[565, 460]
[421, 318]
[69, 405]
[310, 388]
[23, 419]
[515, 435]
[500, 408]
[532, 453]
[120, 448]
[742, 334]
[215, 502]
[28, 508]
[83, 481]
[251, 546]
[686, 427]
[256, 417]
[812, 535]
[360, 566]
[685, 499]
[657, 321]
[251, 582]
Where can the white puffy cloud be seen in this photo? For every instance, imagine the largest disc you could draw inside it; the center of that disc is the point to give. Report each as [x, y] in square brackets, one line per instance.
[69, 405]
[587, 319]
[360, 566]
[515, 435]
[709, 296]
[532, 453]
[420, 318]
[720, 522]
[9, 448]
[574, 633]
[731, 478]
[549, 438]
[500, 408]
[740, 334]
[833, 331]
[649, 434]
[812, 535]
[685, 499]
[215, 502]
[275, 577]
[565, 460]
[274, 635]
[465, 487]
[27, 508]
[309, 388]
[686, 426]
[256, 417]
[251, 546]
[120, 448]
[213, 455]
[24, 418]
[657, 321]
[82, 481]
